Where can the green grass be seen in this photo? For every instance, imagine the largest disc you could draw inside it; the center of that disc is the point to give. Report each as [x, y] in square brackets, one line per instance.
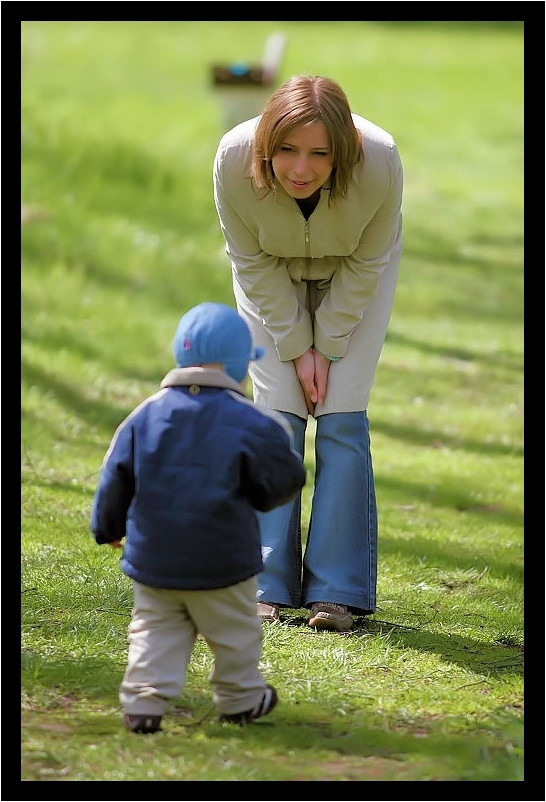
[120, 123]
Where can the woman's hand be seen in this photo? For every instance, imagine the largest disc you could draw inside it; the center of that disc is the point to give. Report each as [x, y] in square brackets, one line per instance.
[322, 367]
[312, 371]
[305, 370]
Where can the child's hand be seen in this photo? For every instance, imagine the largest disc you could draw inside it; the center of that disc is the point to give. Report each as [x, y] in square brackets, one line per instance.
[116, 544]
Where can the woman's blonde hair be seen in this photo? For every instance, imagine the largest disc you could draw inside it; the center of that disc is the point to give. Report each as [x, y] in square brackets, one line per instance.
[300, 100]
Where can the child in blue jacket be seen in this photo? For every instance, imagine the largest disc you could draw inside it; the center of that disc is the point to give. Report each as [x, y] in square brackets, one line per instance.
[181, 482]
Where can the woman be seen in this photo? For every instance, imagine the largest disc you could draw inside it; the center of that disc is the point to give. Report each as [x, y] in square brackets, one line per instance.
[309, 200]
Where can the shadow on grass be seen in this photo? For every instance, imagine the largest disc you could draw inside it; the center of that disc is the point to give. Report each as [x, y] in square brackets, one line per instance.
[476, 656]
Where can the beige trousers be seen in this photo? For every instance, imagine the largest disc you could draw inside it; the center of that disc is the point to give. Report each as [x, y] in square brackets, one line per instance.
[162, 633]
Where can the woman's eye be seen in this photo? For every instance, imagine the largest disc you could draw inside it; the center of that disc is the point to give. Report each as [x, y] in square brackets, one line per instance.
[288, 149]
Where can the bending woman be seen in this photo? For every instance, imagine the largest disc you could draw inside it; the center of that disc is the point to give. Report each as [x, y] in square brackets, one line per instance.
[309, 199]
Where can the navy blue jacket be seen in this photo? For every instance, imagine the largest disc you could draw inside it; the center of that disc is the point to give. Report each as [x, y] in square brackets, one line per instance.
[183, 477]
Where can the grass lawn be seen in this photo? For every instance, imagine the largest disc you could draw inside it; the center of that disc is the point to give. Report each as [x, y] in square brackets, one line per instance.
[120, 123]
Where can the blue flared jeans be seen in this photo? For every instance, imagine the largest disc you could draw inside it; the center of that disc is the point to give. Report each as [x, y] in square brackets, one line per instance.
[338, 562]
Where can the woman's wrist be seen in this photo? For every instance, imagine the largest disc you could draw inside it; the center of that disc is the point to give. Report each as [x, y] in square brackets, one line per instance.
[328, 357]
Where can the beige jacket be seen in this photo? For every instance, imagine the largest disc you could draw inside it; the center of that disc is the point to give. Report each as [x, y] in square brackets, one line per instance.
[301, 283]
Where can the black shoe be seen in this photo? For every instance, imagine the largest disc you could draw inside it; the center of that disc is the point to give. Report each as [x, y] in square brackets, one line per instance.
[143, 724]
[264, 706]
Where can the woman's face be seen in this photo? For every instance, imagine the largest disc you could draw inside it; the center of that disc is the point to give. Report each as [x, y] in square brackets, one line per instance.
[304, 160]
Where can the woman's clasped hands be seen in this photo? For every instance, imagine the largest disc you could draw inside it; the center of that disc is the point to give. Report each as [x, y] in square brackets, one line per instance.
[312, 369]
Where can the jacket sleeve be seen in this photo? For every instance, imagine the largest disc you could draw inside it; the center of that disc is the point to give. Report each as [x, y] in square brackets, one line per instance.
[264, 279]
[115, 488]
[355, 279]
[273, 472]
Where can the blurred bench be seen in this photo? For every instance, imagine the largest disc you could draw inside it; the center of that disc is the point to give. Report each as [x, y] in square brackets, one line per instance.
[243, 88]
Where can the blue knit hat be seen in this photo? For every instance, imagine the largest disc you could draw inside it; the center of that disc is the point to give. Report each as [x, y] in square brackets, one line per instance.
[212, 332]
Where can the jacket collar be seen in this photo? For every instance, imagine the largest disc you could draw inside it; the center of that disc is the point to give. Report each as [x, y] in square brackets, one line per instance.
[206, 377]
